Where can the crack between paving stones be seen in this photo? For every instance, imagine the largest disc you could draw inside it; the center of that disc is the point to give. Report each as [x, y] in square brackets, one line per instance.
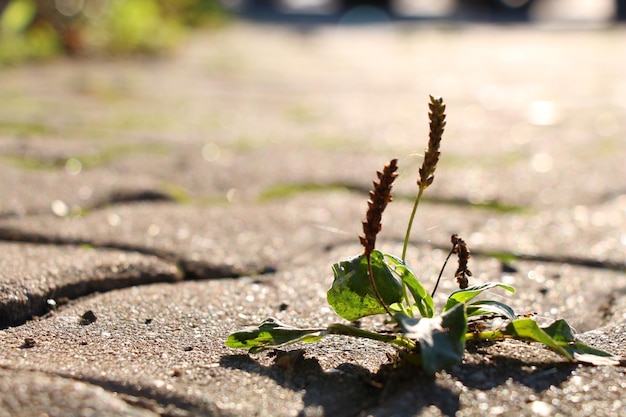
[163, 404]
[16, 313]
[283, 190]
[36, 306]
[516, 256]
[114, 197]
[188, 268]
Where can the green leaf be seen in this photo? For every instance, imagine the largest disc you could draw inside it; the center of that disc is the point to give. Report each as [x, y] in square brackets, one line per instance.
[562, 333]
[560, 338]
[463, 296]
[423, 300]
[271, 334]
[528, 329]
[352, 296]
[441, 339]
[479, 308]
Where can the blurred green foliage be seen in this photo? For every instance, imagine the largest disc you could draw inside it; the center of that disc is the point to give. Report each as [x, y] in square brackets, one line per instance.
[37, 29]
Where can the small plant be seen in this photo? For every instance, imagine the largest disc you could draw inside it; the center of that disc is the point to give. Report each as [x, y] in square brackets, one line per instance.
[377, 283]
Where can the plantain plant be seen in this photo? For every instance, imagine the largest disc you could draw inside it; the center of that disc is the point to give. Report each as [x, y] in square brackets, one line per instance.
[377, 283]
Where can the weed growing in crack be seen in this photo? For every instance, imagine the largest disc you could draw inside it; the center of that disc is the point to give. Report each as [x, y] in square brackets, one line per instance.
[374, 283]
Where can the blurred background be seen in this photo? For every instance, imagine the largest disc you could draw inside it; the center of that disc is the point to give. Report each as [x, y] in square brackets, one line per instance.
[206, 100]
[36, 29]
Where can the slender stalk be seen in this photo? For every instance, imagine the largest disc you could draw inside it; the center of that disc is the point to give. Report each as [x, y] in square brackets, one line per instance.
[410, 225]
[345, 330]
[442, 269]
[488, 335]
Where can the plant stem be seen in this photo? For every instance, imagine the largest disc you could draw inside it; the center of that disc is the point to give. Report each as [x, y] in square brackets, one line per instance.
[408, 229]
[442, 268]
[345, 330]
[488, 335]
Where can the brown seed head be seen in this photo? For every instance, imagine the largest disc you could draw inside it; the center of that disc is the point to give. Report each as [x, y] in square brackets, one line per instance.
[462, 272]
[437, 118]
[379, 197]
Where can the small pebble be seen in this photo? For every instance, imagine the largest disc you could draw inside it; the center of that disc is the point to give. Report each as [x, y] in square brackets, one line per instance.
[29, 342]
[87, 318]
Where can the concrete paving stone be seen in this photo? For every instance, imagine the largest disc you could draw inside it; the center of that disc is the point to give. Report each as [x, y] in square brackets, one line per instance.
[592, 235]
[212, 168]
[202, 239]
[169, 343]
[285, 233]
[24, 393]
[596, 233]
[585, 235]
[57, 192]
[35, 279]
[602, 225]
[493, 179]
[206, 242]
[313, 221]
[610, 337]
[164, 343]
[204, 169]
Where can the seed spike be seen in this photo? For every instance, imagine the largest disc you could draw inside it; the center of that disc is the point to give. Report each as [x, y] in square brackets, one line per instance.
[437, 119]
[380, 196]
[437, 124]
[459, 247]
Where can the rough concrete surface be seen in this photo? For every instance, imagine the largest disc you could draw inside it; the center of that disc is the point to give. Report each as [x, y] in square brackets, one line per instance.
[151, 207]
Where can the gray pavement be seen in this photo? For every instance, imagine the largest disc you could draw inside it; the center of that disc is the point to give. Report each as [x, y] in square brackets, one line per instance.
[151, 207]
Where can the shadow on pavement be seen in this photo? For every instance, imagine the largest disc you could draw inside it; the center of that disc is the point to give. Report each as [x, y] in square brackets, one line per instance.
[485, 375]
[349, 389]
[344, 391]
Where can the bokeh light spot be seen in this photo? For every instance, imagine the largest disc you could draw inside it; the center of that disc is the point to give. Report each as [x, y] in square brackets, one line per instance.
[542, 162]
[69, 7]
[59, 208]
[543, 113]
[73, 166]
[211, 152]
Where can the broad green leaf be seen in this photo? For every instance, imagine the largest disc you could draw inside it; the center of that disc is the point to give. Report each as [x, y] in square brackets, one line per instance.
[352, 295]
[479, 308]
[463, 296]
[271, 334]
[423, 300]
[441, 339]
[528, 329]
[562, 333]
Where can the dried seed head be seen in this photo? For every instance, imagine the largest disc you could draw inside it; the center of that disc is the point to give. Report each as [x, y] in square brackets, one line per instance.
[437, 118]
[462, 272]
[379, 197]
